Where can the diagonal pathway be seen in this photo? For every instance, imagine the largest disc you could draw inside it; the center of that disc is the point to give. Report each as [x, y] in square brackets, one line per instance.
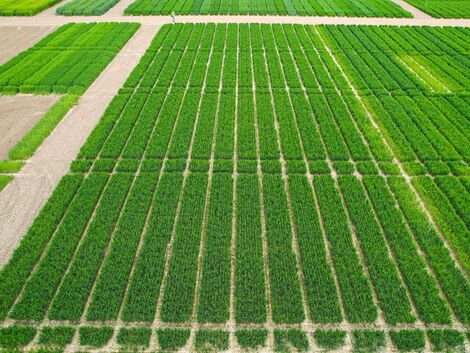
[417, 13]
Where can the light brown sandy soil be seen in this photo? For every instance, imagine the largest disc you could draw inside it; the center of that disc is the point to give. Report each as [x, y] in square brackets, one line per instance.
[18, 114]
[22, 199]
[54, 20]
[118, 9]
[15, 39]
[417, 13]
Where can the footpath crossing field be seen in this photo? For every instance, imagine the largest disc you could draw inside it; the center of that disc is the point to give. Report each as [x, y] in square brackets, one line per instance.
[261, 187]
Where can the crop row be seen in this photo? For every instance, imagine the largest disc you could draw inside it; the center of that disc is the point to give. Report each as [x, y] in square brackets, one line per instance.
[443, 9]
[24, 7]
[325, 114]
[85, 7]
[285, 7]
[75, 55]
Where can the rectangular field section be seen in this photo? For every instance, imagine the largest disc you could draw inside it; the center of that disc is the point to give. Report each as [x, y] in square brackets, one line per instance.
[66, 61]
[353, 8]
[243, 179]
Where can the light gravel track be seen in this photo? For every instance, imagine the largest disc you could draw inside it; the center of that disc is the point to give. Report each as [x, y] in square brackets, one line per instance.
[111, 16]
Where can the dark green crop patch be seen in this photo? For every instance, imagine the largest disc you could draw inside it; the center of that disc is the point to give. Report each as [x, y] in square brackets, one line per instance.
[342, 167]
[446, 340]
[134, 337]
[251, 338]
[56, 336]
[319, 167]
[81, 166]
[172, 339]
[96, 337]
[330, 339]
[368, 341]
[16, 336]
[408, 340]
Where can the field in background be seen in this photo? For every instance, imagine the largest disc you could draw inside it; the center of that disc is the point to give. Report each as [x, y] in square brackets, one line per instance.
[259, 184]
[24, 7]
[443, 8]
[369, 8]
[86, 7]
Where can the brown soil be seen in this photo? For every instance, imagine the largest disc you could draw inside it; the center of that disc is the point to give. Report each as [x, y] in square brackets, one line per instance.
[18, 114]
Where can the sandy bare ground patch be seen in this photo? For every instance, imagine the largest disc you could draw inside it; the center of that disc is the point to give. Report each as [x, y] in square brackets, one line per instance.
[15, 39]
[18, 114]
[22, 199]
[118, 9]
[417, 13]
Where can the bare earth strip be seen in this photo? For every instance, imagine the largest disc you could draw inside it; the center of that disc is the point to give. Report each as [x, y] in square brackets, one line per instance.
[21, 201]
[18, 114]
[417, 13]
[53, 20]
[15, 39]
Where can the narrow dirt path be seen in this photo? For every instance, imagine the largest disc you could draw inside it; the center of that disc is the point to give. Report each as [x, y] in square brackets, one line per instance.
[417, 13]
[22, 199]
[53, 20]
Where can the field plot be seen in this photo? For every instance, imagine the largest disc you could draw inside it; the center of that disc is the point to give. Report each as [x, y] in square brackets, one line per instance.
[65, 62]
[75, 55]
[443, 9]
[86, 7]
[355, 8]
[24, 7]
[238, 194]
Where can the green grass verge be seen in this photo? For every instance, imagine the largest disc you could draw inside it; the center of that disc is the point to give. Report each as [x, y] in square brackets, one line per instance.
[10, 166]
[4, 180]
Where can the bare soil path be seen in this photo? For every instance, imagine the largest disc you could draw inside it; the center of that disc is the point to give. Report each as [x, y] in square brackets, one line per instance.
[417, 13]
[113, 15]
[18, 114]
[22, 199]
